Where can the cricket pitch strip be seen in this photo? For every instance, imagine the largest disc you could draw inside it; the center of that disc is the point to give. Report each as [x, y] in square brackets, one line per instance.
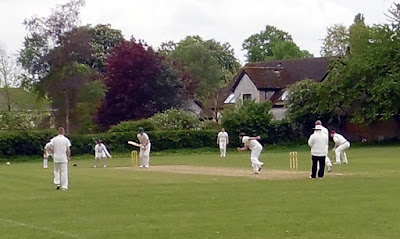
[267, 174]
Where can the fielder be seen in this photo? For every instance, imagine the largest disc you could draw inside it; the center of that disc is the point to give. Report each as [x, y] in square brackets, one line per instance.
[101, 152]
[325, 131]
[46, 153]
[61, 147]
[222, 141]
[341, 144]
[145, 147]
[255, 147]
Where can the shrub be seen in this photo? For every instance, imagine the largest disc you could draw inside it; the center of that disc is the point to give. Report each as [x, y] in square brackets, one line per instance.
[31, 143]
[24, 142]
[251, 118]
[133, 126]
[174, 119]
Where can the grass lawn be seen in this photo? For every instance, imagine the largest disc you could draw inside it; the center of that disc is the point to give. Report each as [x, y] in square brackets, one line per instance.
[130, 203]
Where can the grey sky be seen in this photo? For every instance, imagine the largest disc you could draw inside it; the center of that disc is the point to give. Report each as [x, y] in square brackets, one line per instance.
[232, 21]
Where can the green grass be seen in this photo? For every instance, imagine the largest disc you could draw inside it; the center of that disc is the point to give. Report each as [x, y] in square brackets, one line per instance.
[115, 203]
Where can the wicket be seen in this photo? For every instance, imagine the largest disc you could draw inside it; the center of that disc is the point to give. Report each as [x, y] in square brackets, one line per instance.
[293, 161]
[134, 157]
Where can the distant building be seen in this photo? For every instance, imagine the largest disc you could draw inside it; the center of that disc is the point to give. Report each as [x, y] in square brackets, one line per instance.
[262, 81]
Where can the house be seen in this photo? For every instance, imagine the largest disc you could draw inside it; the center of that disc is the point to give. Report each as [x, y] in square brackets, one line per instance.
[261, 81]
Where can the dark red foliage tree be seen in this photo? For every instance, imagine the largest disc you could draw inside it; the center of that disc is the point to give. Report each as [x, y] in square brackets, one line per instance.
[139, 83]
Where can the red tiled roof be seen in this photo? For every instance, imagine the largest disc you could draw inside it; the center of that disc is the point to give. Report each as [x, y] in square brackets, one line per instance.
[279, 74]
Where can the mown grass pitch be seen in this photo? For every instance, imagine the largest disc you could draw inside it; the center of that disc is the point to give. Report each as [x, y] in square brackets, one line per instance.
[114, 203]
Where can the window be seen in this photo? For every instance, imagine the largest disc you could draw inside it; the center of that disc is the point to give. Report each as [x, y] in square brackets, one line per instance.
[284, 95]
[230, 99]
[246, 96]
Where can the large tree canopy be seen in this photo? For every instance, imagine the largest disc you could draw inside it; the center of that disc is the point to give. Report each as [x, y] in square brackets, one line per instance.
[363, 86]
[272, 44]
[210, 64]
[336, 42]
[140, 83]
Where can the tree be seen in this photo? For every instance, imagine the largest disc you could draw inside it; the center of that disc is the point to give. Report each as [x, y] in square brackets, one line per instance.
[8, 74]
[139, 83]
[363, 86]
[336, 42]
[210, 64]
[288, 50]
[104, 40]
[272, 44]
[394, 16]
[44, 35]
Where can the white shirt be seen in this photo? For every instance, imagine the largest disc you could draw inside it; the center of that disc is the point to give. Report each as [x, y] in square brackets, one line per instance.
[144, 140]
[60, 144]
[318, 143]
[100, 151]
[339, 139]
[251, 144]
[47, 150]
[47, 147]
[223, 137]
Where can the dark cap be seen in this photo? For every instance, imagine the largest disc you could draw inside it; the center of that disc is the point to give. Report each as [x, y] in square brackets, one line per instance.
[141, 129]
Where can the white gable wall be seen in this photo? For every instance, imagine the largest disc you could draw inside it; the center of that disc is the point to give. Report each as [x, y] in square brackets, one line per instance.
[246, 86]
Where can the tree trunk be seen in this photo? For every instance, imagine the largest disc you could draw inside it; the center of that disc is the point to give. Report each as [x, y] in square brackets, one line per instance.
[67, 112]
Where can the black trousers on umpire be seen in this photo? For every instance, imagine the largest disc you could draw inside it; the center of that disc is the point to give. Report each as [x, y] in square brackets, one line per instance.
[315, 161]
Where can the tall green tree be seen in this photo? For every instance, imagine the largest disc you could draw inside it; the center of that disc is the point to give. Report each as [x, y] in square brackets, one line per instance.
[9, 75]
[44, 34]
[104, 40]
[210, 64]
[272, 44]
[336, 42]
[363, 86]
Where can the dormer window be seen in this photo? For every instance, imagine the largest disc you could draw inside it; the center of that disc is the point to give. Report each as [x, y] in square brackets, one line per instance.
[246, 97]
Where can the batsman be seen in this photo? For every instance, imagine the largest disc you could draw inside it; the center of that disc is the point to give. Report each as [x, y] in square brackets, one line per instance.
[145, 147]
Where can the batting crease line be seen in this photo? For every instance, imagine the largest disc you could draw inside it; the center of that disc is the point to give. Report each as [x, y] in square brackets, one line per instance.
[37, 227]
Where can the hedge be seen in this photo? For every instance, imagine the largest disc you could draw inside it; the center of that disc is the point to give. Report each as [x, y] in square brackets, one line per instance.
[30, 143]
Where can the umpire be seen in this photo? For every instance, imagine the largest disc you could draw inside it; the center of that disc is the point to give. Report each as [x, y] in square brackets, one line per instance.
[319, 149]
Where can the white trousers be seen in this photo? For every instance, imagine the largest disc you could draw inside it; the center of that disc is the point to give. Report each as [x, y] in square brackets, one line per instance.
[96, 161]
[255, 159]
[46, 159]
[328, 161]
[222, 148]
[61, 175]
[339, 152]
[144, 155]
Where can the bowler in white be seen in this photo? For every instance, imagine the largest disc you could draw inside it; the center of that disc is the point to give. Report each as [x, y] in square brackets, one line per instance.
[255, 147]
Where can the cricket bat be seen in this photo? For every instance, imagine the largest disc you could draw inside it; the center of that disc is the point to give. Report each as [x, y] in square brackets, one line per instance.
[134, 144]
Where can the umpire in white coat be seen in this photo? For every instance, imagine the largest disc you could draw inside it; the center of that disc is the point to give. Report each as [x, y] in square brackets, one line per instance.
[319, 149]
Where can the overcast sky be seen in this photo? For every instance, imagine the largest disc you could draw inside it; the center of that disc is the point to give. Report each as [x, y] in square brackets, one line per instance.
[232, 21]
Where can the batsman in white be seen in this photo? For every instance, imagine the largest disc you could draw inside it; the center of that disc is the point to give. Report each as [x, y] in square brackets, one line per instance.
[61, 147]
[101, 152]
[46, 153]
[341, 144]
[325, 131]
[145, 147]
[223, 141]
[255, 147]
